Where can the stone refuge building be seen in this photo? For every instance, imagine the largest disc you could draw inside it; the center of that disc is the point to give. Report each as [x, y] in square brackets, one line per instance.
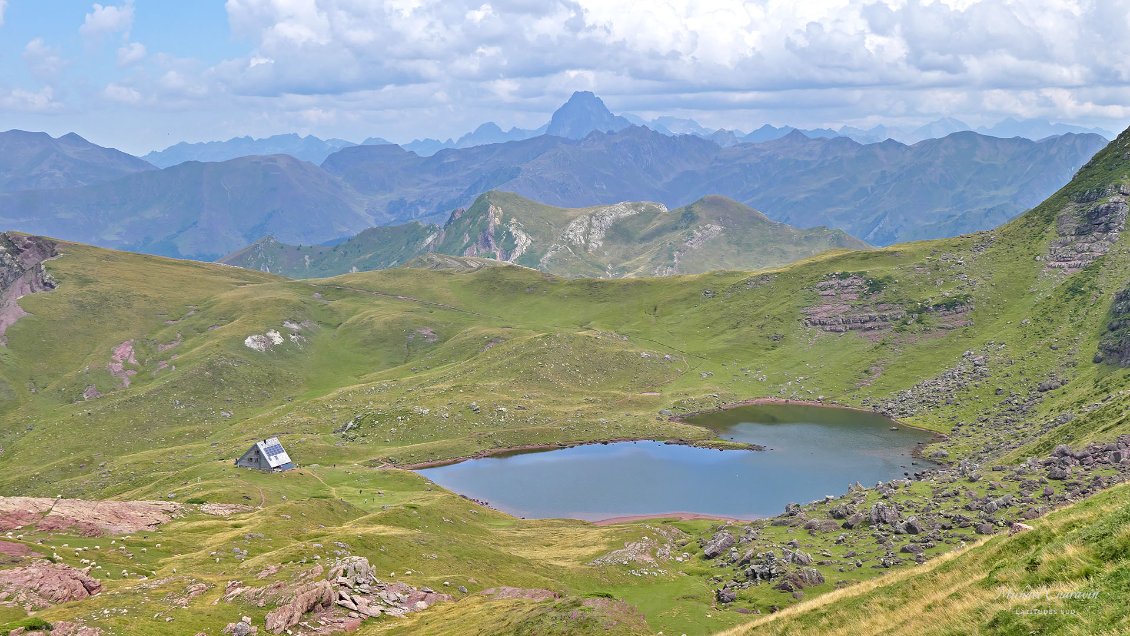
[267, 454]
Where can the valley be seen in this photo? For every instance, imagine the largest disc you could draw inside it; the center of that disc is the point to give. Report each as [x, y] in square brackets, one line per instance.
[140, 378]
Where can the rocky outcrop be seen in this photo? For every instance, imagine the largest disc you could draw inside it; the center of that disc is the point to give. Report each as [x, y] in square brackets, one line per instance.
[661, 545]
[1087, 228]
[971, 369]
[844, 307]
[719, 543]
[121, 356]
[43, 584]
[587, 232]
[243, 627]
[59, 628]
[489, 244]
[349, 591]
[1114, 345]
[905, 521]
[21, 273]
[850, 302]
[882, 513]
[307, 598]
[95, 518]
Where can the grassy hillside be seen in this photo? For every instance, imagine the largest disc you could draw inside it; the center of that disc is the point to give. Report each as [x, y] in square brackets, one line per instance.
[143, 378]
[1067, 576]
[611, 241]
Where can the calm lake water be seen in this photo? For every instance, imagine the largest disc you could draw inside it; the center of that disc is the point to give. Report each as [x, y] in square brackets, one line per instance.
[810, 452]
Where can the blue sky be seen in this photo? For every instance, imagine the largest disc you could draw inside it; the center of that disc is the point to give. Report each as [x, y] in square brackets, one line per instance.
[144, 74]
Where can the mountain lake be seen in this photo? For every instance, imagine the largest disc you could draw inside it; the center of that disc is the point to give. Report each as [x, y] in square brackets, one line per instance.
[810, 452]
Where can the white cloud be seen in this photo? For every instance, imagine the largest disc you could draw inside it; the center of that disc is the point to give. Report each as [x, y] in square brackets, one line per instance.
[106, 20]
[690, 45]
[3, 8]
[478, 15]
[44, 61]
[21, 100]
[121, 94]
[178, 84]
[131, 53]
[406, 68]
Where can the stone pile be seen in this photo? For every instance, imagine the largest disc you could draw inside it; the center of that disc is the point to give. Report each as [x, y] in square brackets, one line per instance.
[349, 593]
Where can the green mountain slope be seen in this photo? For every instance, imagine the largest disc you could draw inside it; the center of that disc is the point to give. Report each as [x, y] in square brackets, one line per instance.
[137, 377]
[626, 239]
[1065, 577]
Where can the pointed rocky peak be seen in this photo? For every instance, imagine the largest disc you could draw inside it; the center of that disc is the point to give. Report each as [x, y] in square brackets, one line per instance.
[583, 114]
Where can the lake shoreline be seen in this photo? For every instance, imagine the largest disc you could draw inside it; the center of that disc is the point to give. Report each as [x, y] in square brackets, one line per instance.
[771, 401]
[682, 419]
[916, 452]
[680, 516]
[533, 448]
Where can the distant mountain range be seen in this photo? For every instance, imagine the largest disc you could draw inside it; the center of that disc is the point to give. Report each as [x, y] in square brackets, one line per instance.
[308, 148]
[585, 113]
[36, 161]
[197, 210]
[624, 239]
[881, 193]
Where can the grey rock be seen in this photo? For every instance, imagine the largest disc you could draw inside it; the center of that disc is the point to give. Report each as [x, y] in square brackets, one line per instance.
[719, 543]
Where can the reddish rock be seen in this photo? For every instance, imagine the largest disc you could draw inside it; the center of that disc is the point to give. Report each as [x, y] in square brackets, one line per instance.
[44, 584]
[306, 598]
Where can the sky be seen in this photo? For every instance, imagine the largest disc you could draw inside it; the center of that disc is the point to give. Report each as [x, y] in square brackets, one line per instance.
[144, 74]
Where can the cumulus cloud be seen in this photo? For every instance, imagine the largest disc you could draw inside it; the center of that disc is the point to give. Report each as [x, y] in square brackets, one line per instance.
[21, 100]
[44, 61]
[104, 20]
[404, 68]
[131, 53]
[677, 49]
[3, 8]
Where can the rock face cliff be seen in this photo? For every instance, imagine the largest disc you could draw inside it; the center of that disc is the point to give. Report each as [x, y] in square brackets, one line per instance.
[1114, 346]
[21, 273]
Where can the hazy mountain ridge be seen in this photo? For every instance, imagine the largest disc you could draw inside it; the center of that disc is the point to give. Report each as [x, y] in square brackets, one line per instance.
[36, 161]
[584, 113]
[308, 148]
[881, 193]
[197, 210]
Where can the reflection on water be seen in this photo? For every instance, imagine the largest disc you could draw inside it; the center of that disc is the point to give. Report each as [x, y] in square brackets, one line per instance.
[811, 452]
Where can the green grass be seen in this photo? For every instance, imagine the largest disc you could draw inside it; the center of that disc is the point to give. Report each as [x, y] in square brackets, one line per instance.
[1067, 576]
[403, 353]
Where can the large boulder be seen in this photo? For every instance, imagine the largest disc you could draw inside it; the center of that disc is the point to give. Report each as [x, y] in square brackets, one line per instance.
[799, 558]
[719, 543]
[307, 598]
[883, 513]
[352, 571]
